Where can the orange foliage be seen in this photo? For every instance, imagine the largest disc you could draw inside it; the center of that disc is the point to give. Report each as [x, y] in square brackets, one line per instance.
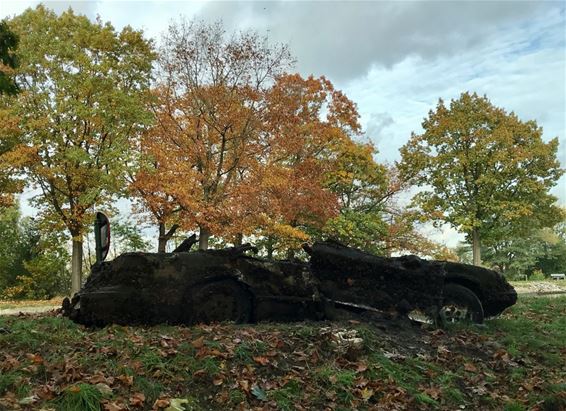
[233, 168]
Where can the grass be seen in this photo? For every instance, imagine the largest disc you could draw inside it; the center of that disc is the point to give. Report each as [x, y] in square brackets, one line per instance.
[512, 363]
[85, 397]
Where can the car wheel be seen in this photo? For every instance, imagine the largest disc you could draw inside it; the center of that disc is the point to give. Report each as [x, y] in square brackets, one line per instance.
[220, 300]
[460, 304]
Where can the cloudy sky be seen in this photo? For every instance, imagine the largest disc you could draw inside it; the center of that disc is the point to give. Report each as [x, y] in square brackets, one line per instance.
[395, 59]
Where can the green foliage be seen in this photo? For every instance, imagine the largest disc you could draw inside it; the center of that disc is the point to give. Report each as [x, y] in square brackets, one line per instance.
[489, 173]
[33, 261]
[84, 87]
[464, 253]
[126, 237]
[537, 254]
[362, 186]
[85, 397]
[537, 275]
[363, 230]
[11, 260]
[8, 60]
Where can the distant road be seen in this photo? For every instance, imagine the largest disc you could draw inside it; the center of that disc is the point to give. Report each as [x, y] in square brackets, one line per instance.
[28, 310]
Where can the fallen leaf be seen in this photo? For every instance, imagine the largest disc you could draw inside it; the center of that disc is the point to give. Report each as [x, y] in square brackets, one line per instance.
[161, 403]
[114, 406]
[104, 389]
[137, 399]
[36, 358]
[361, 367]
[74, 389]
[29, 400]
[199, 373]
[126, 379]
[261, 360]
[259, 393]
[198, 343]
[470, 367]
[366, 393]
[245, 385]
[433, 392]
[177, 404]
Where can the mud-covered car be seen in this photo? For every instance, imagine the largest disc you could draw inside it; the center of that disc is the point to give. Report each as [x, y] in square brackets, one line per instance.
[228, 285]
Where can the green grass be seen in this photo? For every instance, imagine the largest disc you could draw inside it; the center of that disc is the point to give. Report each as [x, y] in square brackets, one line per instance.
[287, 395]
[83, 397]
[515, 362]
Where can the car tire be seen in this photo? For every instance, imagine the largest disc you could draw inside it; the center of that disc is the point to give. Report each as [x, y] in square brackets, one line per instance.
[460, 304]
[217, 301]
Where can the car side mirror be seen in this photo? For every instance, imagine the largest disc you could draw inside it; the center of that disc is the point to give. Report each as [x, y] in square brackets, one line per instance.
[101, 236]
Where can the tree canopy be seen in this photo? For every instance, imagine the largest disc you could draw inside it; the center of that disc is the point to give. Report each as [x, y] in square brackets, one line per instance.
[8, 59]
[9, 137]
[83, 90]
[483, 170]
[239, 146]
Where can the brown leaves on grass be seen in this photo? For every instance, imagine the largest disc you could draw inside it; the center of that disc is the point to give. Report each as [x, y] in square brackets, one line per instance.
[264, 366]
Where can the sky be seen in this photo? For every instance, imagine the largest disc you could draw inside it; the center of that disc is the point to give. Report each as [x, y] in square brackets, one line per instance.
[395, 59]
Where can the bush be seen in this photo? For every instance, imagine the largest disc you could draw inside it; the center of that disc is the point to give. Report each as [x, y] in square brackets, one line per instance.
[537, 275]
[33, 262]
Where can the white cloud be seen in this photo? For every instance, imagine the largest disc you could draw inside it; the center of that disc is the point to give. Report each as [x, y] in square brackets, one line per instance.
[527, 80]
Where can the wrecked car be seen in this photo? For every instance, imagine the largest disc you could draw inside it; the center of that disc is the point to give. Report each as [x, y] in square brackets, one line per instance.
[204, 286]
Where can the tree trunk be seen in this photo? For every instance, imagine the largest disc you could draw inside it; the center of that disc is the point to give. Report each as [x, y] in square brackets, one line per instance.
[204, 235]
[76, 265]
[290, 254]
[239, 239]
[164, 237]
[161, 240]
[476, 247]
[270, 243]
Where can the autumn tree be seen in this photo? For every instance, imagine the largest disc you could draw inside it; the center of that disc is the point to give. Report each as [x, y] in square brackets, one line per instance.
[482, 169]
[83, 90]
[371, 217]
[208, 110]
[9, 138]
[310, 126]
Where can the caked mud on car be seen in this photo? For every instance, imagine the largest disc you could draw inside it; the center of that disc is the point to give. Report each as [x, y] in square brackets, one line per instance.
[228, 285]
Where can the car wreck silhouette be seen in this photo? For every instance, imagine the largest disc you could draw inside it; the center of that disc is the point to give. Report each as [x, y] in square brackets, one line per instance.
[205, 286]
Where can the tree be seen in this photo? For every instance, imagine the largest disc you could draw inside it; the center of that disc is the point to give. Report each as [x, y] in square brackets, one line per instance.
[309, 134]
[486, 170]
[11, 261]
[33, 259]
[208, 111]
[9, 138]
[12, 155]
[554, 259]
[363, 188]
[126, 237]
[8, 60]
[83, 97]
[537, 249]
